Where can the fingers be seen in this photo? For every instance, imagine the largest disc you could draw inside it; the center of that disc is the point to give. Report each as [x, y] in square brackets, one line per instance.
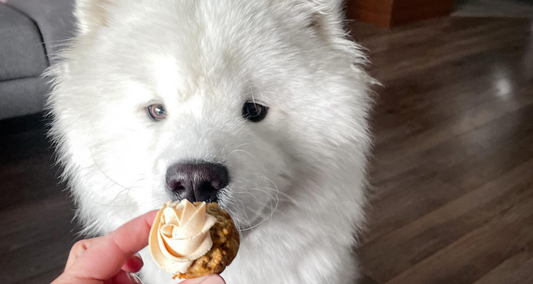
[104, 257]
[211, 279]
[111, 259]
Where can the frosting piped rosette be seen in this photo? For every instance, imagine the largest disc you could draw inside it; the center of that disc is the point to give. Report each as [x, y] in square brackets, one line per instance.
[180, 235]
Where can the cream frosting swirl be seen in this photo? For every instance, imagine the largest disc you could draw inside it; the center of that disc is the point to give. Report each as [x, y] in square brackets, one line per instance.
[180, 235]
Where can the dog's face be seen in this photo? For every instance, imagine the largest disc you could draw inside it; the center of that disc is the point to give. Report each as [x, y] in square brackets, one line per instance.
[234, 101]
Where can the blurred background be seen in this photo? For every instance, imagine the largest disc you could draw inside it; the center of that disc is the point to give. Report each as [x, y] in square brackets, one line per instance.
[452, 172]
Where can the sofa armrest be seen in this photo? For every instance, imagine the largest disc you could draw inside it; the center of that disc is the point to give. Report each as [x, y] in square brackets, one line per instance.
[53, 17]
[21, 50]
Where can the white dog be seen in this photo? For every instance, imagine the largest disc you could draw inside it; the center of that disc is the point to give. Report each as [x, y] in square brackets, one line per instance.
[261, 105]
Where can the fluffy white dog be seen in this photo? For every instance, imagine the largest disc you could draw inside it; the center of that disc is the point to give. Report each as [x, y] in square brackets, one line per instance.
[261, 105]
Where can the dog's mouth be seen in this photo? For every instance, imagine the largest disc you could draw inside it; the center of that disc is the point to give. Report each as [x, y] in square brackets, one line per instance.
[213, 199]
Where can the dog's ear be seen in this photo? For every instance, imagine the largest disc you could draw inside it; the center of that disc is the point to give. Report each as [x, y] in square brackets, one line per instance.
[91, 14]
[327, 19]
[324, 16]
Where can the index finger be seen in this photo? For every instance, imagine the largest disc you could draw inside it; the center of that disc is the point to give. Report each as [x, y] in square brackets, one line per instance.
[106, 257]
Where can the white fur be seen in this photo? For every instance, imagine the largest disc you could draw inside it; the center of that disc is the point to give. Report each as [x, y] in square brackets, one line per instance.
[297, 187]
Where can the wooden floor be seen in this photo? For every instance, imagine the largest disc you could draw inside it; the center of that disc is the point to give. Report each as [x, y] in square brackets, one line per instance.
[452, 172]
[453, 165]
[499, 8]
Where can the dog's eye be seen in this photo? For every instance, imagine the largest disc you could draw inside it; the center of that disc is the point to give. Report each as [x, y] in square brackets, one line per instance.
[157, 112]
[254, 112]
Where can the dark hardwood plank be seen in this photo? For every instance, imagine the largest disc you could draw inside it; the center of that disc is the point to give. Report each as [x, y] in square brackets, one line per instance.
[464, 40]
[453, 151]
[36, 239]
[366, 280]
[402, 202]
[515, 270]
[478, 252]
[389, 255]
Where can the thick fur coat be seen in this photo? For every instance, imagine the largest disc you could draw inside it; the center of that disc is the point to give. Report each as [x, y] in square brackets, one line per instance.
[297, 189]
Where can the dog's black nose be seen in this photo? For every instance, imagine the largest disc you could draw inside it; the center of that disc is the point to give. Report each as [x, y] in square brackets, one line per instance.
[196, 181]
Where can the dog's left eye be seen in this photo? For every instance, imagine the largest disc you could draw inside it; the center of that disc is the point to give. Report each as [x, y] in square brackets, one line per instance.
[254, 112]
[157, 112]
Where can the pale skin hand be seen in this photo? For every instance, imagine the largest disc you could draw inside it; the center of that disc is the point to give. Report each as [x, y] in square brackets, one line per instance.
[113, 258]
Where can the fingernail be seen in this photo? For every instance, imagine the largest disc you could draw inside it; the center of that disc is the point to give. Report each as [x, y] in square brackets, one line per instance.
[133, 264]
[135, 279]
[137, 255]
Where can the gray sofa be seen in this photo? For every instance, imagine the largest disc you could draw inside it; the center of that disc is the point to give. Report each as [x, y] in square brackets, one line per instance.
[31, 34]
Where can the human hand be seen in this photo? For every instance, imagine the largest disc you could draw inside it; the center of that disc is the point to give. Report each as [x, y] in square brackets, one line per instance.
[113, 258]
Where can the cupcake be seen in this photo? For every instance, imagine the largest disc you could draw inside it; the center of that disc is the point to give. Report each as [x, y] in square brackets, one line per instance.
[193, 240]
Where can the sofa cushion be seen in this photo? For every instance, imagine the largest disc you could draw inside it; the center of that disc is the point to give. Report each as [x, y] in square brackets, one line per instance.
[21, 50]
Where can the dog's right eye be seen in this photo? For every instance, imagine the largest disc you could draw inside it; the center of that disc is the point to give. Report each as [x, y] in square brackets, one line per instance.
[157, 112]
